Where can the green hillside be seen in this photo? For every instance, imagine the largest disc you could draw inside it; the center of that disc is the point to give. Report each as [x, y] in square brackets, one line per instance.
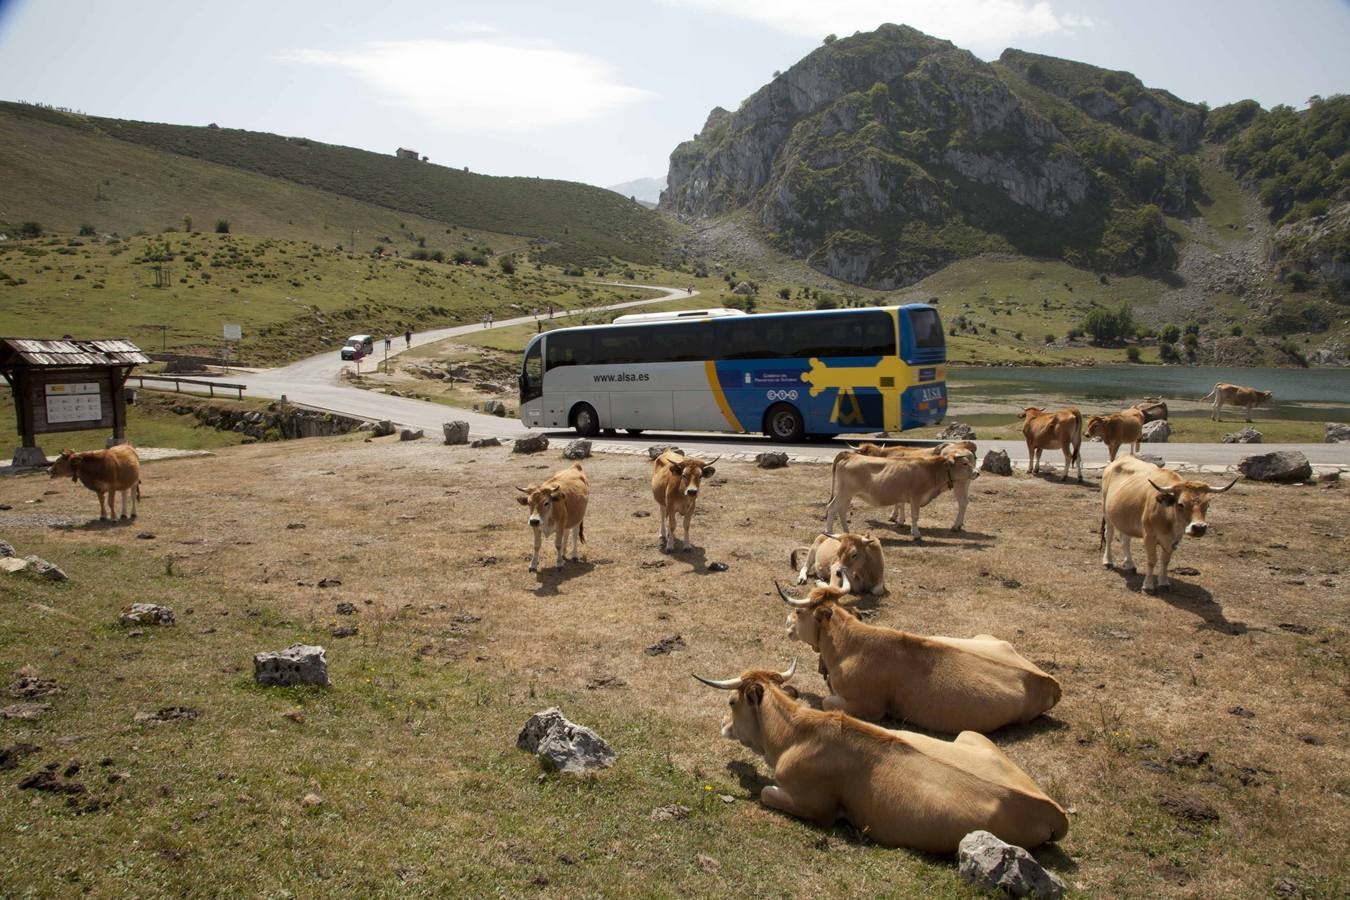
[573, 223]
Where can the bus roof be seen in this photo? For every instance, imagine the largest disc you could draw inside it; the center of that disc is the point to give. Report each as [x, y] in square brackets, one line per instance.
[628, 322]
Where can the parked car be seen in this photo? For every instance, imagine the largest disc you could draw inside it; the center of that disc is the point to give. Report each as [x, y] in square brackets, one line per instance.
[358, 345]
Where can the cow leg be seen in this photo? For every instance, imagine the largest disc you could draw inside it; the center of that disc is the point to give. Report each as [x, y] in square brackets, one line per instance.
[822, 812]
[661, 541]
[914, 519]
[1151, 549]
[538, 541]
[135, 492]
[687, 517]
[124, 492]
[110, 512]
[1111, 452]
[962, 493]
[1165, 559]
[1068, 460]
[1031, 459]
[560, 544]
[576, 544]
[1129, 559]
[897, 514]
[1108, 535]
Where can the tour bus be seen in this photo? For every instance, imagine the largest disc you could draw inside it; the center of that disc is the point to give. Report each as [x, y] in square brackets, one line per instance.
[789, 375]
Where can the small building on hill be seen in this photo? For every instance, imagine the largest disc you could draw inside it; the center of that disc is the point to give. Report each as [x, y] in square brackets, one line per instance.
[405, 153]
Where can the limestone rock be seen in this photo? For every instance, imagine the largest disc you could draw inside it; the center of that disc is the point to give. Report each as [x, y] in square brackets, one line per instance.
[411, 434]
[564, 746]
[7, 549]
[1156, 432]
[1337, 433]
[1282, 465]
[486, 442]
[383, 428]
[147, 614]
[772, 459]
[535, 443]
[1247, 435]
[990, 864]
[744, 289]
[996, 462]
[494, 408]
[40, 567]
[1151, 458]
[24, 710]
[12, 564]
[957, 431]
[578, 449]
[456, 432]
[297, 664]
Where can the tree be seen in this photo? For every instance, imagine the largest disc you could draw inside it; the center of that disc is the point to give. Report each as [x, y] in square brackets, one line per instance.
[222, 226]
[1170, 334]
[1132, 354]
[507, 264]
[1148, 126]
[30, 230]
[187, 223]
[87, 231]
[1110, 327]
[830, 39]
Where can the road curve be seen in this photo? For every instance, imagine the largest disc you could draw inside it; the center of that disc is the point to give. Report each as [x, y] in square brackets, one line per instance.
[314, 382]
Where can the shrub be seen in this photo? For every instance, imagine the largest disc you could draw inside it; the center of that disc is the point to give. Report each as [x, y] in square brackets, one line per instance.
[222, 226]
[1170, 334]
[508, 265]
[1049, 338]
[785, 293]
[87, 231]
[1018, 336]
[1132, 354]
[1298, 282]
[462, 256]
[825, 301]
[1236, 331]
[1168, 353]
[30, 230]
[1109, 327]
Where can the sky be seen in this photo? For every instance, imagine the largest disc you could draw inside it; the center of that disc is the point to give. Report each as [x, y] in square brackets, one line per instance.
[598, 91]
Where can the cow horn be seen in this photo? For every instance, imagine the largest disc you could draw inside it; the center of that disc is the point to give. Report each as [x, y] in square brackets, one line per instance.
[1222, 489]
[522, 490]
[789, 599]
[843, 582]
[1161, 490]
[790, 671]
[728, 684]
[857, 449]
[709, 462]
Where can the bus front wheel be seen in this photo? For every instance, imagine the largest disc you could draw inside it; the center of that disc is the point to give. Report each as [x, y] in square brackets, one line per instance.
[783, 423]
[585, 421]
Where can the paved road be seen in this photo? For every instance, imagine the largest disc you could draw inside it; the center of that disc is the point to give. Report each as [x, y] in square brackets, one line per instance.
[314, 382]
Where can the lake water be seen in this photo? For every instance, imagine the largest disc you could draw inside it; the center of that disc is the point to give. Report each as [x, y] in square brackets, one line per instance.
[1305, 394]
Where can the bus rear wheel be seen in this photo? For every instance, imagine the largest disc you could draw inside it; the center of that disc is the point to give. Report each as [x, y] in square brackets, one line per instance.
[783, 423]
[585, 421]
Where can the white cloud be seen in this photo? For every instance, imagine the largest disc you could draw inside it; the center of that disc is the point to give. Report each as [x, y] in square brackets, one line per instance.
[985, 26]
[483, 84]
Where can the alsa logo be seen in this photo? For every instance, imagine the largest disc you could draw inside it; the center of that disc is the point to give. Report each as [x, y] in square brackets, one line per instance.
[623, 376]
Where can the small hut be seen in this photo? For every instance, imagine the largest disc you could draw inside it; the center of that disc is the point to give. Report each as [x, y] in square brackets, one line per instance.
[67, 385]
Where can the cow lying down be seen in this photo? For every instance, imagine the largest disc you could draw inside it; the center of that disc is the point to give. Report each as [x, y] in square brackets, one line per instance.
[939, 683]
[903, 788]
[832, 557]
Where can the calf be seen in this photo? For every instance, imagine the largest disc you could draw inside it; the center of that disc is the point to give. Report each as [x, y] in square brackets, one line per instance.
[1125, 427]
[855, 558]
[105, 472]
[900, 788]
[676, 480]
[915, 480]
[1062, 430]
[1236, 395]
[940, 683]
[1141, 500]
[557, 507]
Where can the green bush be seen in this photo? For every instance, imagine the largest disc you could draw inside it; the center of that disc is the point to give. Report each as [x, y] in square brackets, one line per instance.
[825, 301]
[1110, 327]
[1132, 354]
[222, 226]
[785, 293]
[1049, 338]
[1168, 353]
[1236, 331]
[87, 231]
[1170, 334]
[507, 264]
[30, 230]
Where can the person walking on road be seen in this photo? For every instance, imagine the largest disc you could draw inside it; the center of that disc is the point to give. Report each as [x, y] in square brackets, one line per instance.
[407, 337]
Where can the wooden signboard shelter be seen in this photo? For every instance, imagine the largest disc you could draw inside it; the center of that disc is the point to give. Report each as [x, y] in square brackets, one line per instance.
[67, 385]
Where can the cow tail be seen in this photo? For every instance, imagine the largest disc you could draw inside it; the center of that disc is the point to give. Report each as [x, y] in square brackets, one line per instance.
[581, 530]
[1101, 533]
[792, 558]
[1077, 434]
[833, 466]
[1210, 395]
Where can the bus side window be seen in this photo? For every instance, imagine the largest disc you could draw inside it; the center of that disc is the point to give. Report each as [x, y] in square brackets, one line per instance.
[532, 377]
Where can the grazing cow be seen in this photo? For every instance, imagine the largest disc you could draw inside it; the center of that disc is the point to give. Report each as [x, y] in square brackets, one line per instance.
[1235, 395]
[558, 507]
[1141, 500]
[105, 472]
[676, 479]
[888, 481]
[1125, 427]
[854, 557]
[899, 451]
[1061, 430]
[900, 788]
[938, 683]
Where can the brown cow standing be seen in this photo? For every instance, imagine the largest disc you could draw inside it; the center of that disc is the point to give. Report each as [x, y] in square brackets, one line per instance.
[558, 507]
[900, 451]
[1125, 427]
[1235, 395]
[1062, 430]
[676, 479]
[117, 469]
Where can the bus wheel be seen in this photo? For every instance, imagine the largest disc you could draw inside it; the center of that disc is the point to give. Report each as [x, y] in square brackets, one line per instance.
[585, 421]
[635, 432]
[783, 423]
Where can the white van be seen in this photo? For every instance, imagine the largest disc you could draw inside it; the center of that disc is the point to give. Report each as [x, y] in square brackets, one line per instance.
[358, 345]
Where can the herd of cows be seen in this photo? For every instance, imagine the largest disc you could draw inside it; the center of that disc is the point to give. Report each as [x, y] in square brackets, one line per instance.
[902, 788]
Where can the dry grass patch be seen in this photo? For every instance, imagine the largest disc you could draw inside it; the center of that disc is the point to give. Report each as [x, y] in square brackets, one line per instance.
[412, 750]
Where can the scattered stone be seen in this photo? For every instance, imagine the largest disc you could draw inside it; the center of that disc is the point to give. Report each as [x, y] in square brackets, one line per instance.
[717, 567]
[641, 514]
[957, 431]
[383, 428]
[990, 864]
[1151, 458]
[1193, 809]
[1241, 712]
[165, 714]
[411, 434]
[343, 631]
[1119, 634]
[27, 684]
[656, 450]
[1337, 433]
[996, 462]
[1247, 435]
[668, 812]
[345, 609]
[1311, 740]
[24, 710]
[43, 569]
[295, 714]
[145, 536]
[564, 746]
[11, 564]
[466, 619]
[456, 432]
[49, 780]
[311, 800]
[666, 645]
[1188, 571]
[708, 864]
[726, 798]
[578, 449]
[297, 664]
[486, 442]
[495, 408]
[6, 548]
[294, 526]
[10, 756]
[1295, 628]
[330, 582]
[1287, 887]
[1280, 466]
[605, 681]
[535, 443]
[147, 614]
[1188, 758]
[1329, 478]
[1156, 432]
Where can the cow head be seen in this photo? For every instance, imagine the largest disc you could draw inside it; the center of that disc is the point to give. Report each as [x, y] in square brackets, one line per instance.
[541, 500]
[868, 449]
[1029, 412]
[1188, 502]
[1096, 426]
[961, 466]
[691, 473]
[807, 618]
[851, 555]
[65, 464]
[743, 721]
[1265, 395]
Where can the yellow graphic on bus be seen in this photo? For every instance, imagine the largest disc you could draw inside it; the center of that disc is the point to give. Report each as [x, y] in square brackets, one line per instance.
[849, 378]
[854, 416]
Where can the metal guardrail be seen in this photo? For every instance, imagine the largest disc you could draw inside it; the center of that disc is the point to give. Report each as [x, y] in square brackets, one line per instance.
[177, 382]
